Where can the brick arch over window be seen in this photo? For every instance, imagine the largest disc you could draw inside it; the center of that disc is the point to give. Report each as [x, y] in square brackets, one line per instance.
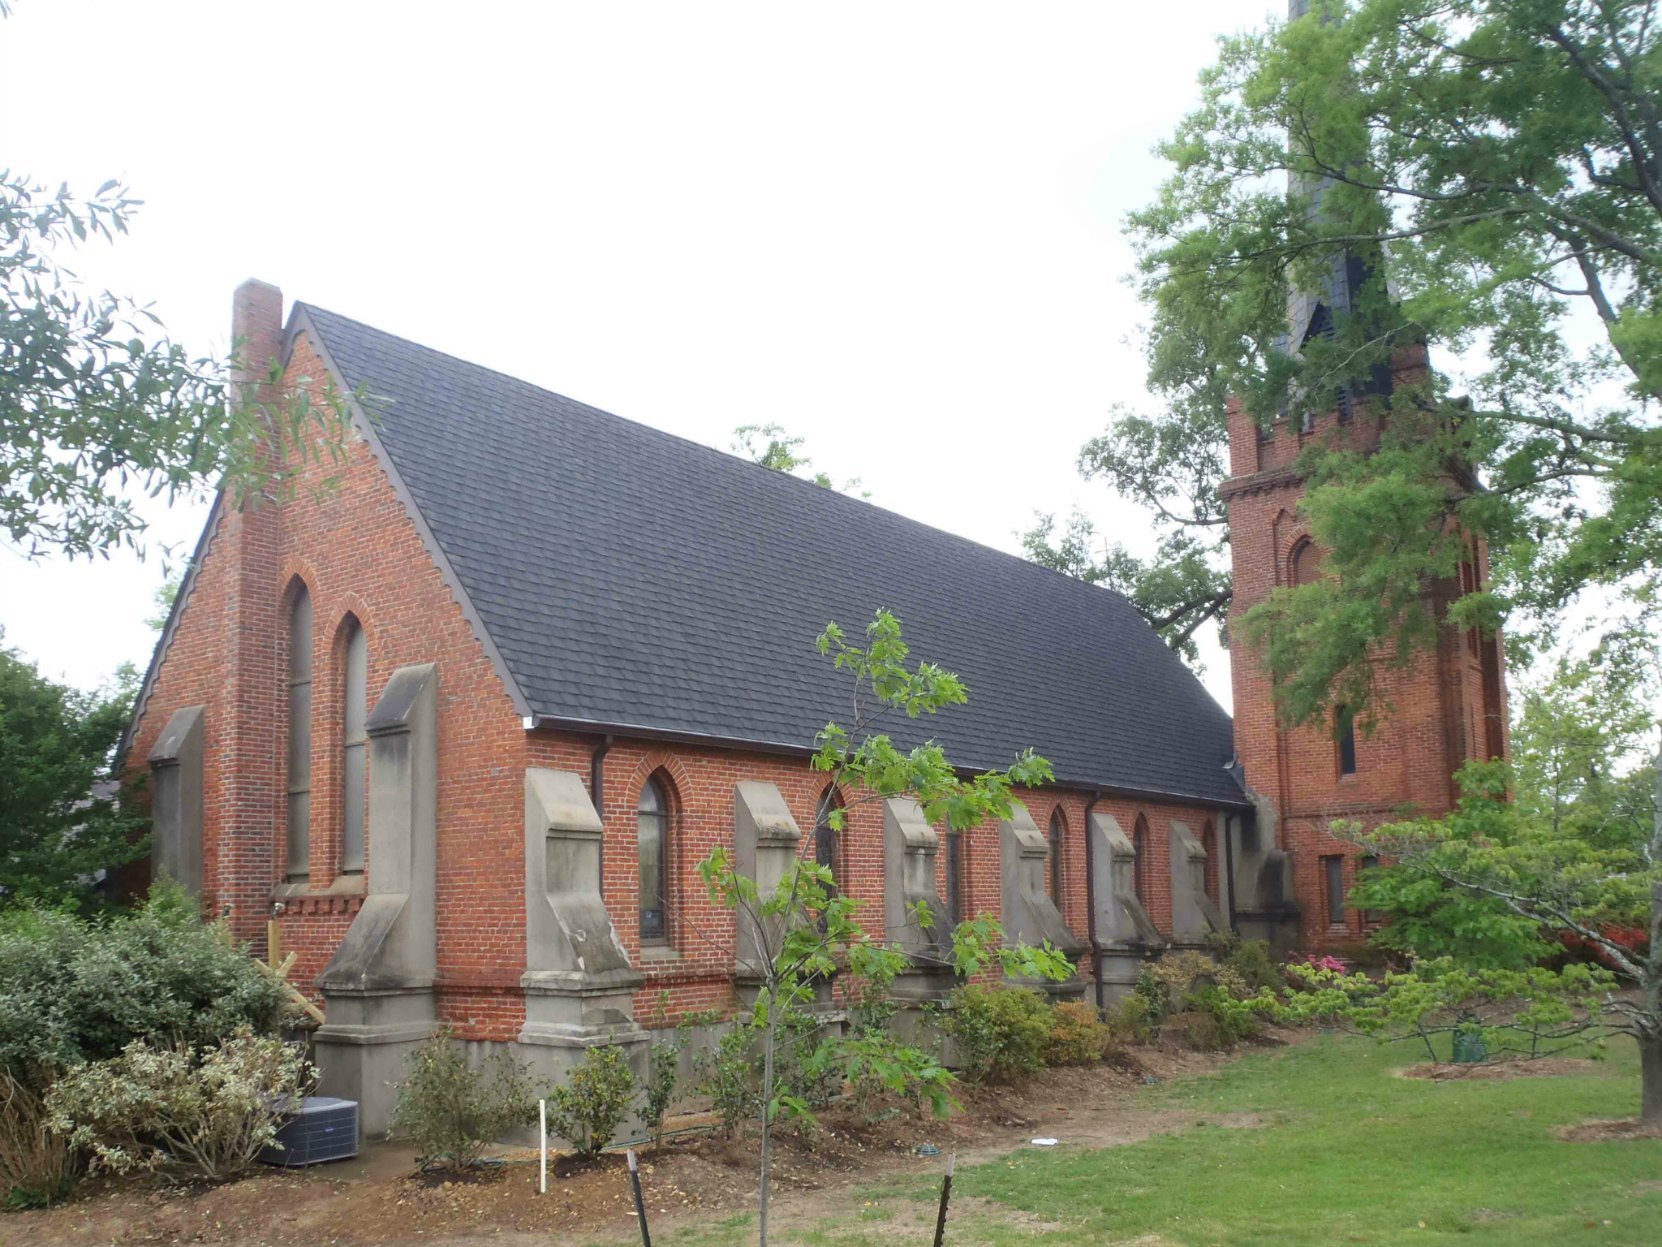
[298, 687]
[1140, 842]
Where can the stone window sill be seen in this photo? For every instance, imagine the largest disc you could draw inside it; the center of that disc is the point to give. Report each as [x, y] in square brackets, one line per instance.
[659, 954]
[301, 889]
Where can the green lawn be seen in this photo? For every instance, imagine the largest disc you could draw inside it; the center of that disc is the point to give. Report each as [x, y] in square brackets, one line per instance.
[1348, 1154]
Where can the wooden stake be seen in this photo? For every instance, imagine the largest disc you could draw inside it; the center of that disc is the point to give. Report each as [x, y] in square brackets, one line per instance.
[946, 1195]
[640, 1203]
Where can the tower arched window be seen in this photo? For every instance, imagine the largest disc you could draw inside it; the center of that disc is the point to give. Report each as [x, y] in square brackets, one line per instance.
[652, 818]
[354, 743]
[300, 736]
[1058, 834]
[1344, 739]
[1139, 867]
[1304, 563]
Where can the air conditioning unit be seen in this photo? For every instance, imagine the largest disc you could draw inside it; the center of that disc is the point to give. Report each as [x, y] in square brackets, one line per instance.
[322, 1128]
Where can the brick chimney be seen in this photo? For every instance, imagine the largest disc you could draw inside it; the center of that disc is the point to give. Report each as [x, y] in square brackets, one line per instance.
[252, 810]
[256, 330]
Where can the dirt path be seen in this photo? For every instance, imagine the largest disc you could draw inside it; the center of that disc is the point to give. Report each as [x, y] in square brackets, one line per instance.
[373, 1202]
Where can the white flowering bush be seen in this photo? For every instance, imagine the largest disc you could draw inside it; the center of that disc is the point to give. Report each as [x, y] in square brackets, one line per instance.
[207, 1110]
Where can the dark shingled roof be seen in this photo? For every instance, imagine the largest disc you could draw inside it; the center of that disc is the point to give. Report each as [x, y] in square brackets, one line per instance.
[633, 579]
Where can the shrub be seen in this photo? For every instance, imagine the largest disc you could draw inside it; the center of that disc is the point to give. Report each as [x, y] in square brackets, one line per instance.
[1192, 984]
[585, 1112]
[452, 1112]
[1233, 1019]
[1129, 1020]
[37, 1164]
[210, 1110]
[1196, 1030]
[1001, 1032]
[731, 1076]
[1250, 960]
[880, 1070]
[1078, 1035]
[73, 990]
[663, 1070]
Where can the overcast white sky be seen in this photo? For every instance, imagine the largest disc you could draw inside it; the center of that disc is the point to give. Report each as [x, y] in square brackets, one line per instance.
[893, 228]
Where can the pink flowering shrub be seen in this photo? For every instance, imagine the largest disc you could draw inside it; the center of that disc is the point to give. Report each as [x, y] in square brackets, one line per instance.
[1322, 961]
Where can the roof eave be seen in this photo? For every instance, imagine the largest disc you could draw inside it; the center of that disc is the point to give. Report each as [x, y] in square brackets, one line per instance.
[591, 727]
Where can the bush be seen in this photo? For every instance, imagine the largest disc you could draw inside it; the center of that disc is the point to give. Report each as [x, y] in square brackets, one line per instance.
[1078, 1035]
[37, 1164]
[1250, 960]
[663, 1070]
[209, 1110]
[1129, 1020]
[1001, 1032]
[585, 1112]
[731, 1076]
[452, 1112]
[883, 1073]
[73, 990]
[1217, 1006]
[1195, 1030]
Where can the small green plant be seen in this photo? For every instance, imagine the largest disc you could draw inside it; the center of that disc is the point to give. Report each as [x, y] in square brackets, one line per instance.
[727, 1074]
[451, 1111]
[663, 1070]
[1001, 1033]
[880, 1070]
[586, 1111]
[209, 1111]
[1078, 1035]
[1129, 1021]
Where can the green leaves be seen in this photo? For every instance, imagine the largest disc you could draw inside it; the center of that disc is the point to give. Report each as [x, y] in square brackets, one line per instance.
[95, 409]
[60, 820]
[1497, 164]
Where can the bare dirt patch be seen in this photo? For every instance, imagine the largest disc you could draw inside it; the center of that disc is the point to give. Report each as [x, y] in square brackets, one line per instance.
[374, 1201]
[1606, 1131]
[1521, 1067]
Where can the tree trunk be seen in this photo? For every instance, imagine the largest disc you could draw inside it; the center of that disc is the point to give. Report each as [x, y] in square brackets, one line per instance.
[1650, 1028]
[767, 1116]
[1650, 1079]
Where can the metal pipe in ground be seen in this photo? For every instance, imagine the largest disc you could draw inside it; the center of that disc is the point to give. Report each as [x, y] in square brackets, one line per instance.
[946, 1196]
[640, 1203]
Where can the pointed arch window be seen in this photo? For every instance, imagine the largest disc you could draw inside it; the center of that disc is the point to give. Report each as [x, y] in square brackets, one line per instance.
[827, 842]
[1139, 866]
[300, 736]
[954, 879]
[1058, 833]
[354, 713]
[652, 823]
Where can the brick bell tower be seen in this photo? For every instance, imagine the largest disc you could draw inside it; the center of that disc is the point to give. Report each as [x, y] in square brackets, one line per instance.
[1446, 705]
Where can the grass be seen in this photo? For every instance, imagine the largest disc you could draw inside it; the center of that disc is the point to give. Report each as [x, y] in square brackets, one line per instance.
[1348, 1154]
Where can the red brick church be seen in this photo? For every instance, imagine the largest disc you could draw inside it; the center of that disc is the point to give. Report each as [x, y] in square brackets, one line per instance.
[457, 725]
